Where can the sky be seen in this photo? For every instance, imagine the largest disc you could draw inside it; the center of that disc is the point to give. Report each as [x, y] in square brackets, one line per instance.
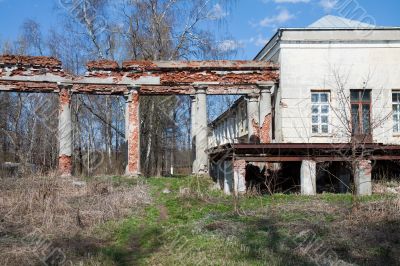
[248, 23]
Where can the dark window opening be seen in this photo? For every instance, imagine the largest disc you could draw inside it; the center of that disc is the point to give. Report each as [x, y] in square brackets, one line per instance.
[360, 101]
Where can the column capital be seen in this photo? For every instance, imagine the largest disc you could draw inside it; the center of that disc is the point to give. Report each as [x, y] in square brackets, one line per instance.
[253, 97]
[265, 88]
[200, 89]
[132, 88]
[66, 86]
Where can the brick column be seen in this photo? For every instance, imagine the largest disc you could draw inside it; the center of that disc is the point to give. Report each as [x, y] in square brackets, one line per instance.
[65, 131]
[132, 131]
[265, 113]
[362, 178]
[239, 174]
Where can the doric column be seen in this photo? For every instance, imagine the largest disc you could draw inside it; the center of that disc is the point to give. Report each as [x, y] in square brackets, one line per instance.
[265, 113]
[132, 131]
[308, 177]
[362, 178]
[65, 131]
[193, 129]
[201, 131]
[253, 116]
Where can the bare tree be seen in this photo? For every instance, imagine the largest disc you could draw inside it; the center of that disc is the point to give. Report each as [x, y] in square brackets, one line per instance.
[141, 30]
[357, 113]
[32, 36]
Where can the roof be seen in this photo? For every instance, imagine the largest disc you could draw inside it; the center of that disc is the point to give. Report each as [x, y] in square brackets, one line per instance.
[331, 21]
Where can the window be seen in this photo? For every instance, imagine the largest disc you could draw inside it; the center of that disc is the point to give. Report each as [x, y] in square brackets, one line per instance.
[396, 111]
[320, 112]
[360, 112]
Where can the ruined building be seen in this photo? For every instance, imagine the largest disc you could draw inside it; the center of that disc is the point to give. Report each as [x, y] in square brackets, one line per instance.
[335, 107]
[318, 103]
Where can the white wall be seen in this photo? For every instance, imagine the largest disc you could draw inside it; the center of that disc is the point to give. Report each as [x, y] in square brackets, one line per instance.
[312, 66]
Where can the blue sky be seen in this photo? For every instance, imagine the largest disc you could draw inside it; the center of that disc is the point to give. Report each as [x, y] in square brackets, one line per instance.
[250, 23]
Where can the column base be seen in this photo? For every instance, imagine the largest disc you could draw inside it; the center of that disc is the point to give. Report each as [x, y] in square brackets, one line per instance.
[362, 178]
[65, 165]
[239, 176]
[132, 174]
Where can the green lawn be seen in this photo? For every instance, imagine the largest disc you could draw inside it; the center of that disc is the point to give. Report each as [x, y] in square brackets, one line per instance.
[193, 225]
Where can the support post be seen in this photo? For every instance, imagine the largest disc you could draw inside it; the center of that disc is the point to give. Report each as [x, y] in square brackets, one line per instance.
[253, 116]
[201, 131]
[239, 176]
[362, 178]
[65, 131]
[193, 130]
[132, 131]
[227, 174]
[265, 113]
[308, 177]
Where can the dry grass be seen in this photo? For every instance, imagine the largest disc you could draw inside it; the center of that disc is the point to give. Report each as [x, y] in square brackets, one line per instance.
[39, 215]
[366, 233]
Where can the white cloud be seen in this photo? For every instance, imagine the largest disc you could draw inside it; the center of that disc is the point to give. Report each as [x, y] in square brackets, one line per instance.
[291, 1]
[259, 40]
[229, 45]
[217, 12]
[286, 1]
[283, 16]
[328, 5]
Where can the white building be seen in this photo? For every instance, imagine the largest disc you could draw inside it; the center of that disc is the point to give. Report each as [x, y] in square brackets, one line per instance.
[339, 82]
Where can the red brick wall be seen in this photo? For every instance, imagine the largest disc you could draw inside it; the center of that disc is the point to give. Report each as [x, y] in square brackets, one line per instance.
[65, 165]
[265, 129]
[133, 136]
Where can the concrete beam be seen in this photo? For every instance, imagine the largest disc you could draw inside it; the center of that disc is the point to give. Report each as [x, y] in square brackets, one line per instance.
[65, 131]
[238, 65]
[132, 131]
[201, 131]
[42, 74]
[362, 178]
[308, 177]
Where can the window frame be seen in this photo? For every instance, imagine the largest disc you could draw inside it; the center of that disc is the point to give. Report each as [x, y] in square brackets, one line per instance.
[360, 103]
[320, 104]
[396, 113]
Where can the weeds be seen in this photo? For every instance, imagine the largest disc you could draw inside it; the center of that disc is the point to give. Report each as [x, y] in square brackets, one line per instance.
[56, 211]
[181, 221]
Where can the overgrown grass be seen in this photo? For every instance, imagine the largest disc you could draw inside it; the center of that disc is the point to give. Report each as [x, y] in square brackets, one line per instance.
[51, 219]
[192, 225]
[185, 222]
